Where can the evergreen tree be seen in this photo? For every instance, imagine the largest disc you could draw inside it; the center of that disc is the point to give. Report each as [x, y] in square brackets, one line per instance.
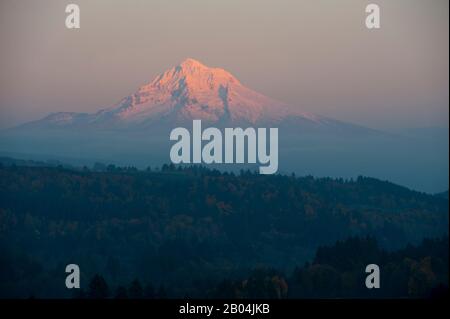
[121, 293]
[135, 291]
[162, 294]
[149, 291]
[98, 288]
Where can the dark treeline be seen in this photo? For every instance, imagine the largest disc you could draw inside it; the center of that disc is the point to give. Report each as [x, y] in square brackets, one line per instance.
[336, 272]
[186, 230]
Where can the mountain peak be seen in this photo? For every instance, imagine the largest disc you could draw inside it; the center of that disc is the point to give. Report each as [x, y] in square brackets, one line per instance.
[193, 75]
[188, 91]
[192, 90]
[192, 63]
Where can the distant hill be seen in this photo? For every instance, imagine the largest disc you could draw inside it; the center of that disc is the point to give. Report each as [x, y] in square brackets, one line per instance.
[443, 195]
[135, 131]
[179, 225]
[9, 161]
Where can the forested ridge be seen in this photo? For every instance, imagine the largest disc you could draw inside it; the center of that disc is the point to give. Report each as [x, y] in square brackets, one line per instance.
[189, 230]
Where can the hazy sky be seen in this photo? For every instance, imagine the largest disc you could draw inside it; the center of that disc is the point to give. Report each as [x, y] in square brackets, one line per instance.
[315, 54]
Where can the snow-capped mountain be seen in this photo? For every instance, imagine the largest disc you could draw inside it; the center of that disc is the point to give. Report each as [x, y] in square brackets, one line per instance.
[136, 131]
[190, 91]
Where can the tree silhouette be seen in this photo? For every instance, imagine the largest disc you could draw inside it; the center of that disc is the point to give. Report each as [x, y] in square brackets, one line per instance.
[149, 291]
[162, 294]
[135, 291]
[121, 293]
[98, 288]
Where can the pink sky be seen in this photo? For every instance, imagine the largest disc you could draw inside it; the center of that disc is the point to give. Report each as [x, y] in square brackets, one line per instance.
[315, 54]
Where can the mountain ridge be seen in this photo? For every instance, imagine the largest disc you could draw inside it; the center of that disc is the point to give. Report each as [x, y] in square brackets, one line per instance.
[188, 91]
